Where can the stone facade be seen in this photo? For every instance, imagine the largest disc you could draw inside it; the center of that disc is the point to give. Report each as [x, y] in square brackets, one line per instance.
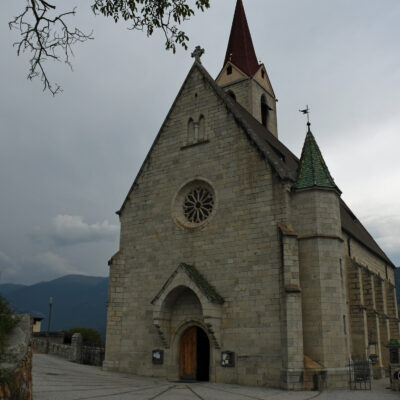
[285, 288]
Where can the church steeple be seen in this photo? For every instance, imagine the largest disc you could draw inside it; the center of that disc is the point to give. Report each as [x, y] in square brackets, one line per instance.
[313, 171]
[243, 78]
[240, 51]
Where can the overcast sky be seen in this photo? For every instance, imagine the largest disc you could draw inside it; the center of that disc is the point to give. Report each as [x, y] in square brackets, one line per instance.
[67, 162]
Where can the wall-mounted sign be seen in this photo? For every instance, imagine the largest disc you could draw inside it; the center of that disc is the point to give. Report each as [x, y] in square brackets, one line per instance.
[158, 356]
[227, 359]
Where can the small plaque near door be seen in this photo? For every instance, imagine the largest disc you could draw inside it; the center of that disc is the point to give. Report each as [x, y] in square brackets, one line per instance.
[228, 359]
[158, 356]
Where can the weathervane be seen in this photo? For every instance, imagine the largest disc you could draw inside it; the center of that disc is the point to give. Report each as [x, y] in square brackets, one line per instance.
[306, 111]
[197, 53]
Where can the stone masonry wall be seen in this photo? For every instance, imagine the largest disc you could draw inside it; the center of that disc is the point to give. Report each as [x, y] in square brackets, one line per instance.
[50, 344]
[16, 363]
[368, 259]
[237, 251]
[373, 310]
[316, 218]
[248, 94]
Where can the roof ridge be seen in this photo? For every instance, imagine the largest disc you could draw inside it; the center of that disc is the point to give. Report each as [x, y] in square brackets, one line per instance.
[264, 146]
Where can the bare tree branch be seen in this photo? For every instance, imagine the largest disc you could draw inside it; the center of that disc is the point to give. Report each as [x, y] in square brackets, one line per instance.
[46, 37]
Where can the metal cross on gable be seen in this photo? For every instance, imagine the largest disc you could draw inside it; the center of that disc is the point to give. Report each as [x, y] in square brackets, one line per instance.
[197, 53]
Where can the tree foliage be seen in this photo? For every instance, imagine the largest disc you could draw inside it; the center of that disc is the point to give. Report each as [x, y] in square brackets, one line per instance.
[8, 321]
[47, 35]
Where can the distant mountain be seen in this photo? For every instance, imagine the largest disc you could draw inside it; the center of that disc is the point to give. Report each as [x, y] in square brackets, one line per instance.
[78, 301]
[8, 288]
[397, 280]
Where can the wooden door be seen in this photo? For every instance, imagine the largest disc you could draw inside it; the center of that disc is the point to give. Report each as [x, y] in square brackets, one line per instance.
[187, 356]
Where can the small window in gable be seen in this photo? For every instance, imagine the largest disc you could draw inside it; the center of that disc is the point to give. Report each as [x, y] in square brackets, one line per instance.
[196, 132]
[230, 93]
[229, 70]
[263, 73]
[190, 132]
[202, 129]
[264, 110]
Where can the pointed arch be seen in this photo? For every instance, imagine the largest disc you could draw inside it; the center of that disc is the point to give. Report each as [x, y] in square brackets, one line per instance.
[264, 111]
[190, 131]
[232, 94]
[188, 285]
[202, 128]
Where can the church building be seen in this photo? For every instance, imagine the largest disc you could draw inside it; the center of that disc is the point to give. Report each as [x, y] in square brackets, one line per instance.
[239, 262]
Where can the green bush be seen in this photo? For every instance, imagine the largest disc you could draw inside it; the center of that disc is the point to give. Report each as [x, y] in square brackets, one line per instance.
[90, 336]
[8, 322]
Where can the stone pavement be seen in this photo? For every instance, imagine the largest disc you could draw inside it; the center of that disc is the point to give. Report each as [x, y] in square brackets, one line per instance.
[57, 379]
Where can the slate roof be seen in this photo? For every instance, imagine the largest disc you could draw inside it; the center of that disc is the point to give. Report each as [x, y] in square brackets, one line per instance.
[312, 170]
[240, 49]
[201, 282]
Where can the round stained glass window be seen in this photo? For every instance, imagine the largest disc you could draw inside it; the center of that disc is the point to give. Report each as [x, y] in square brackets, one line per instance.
[198, 205]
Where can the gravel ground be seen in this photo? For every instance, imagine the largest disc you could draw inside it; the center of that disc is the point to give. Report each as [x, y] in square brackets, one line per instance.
[57, 379]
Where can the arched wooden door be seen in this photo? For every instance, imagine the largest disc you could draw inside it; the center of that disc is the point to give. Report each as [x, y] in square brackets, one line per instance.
[188, 354]
[194, 356]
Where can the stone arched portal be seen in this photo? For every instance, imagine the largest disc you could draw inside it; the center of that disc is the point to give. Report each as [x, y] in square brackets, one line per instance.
[187, 296]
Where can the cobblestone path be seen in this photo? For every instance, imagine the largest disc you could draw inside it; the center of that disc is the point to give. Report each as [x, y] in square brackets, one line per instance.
[57, 379]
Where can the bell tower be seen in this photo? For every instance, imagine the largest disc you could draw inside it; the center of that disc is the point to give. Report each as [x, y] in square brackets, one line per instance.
[244, 78]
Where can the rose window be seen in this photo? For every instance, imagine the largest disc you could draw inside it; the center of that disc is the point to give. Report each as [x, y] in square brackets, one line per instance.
[198, 205]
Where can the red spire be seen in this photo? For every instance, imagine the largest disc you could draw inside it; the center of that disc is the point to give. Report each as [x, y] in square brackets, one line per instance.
[240, 49]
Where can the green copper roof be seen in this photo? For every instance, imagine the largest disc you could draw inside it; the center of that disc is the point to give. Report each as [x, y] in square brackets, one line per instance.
[312, 169]
[203, 284]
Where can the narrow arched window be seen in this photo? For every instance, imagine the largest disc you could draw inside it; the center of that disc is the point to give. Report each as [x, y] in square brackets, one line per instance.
[190, 132]
[202, 128]
[229, 70]
[230, 93]
[264, 110]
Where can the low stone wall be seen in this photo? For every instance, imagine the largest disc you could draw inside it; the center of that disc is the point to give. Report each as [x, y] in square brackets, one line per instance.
[93, 355]
[42, 341]
[53, 343]
[16, 363]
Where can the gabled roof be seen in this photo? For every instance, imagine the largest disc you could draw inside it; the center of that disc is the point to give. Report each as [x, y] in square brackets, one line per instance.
[240, 49]
[282, 160]
[198, 279]
[312, 171]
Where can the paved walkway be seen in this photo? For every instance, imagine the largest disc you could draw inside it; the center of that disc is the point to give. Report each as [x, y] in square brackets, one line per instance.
[57, 379]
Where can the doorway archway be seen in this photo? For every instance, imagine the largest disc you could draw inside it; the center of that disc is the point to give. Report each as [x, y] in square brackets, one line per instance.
[194, 355]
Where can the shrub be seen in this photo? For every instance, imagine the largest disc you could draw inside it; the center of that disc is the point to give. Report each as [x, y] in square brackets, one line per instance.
[8, 322]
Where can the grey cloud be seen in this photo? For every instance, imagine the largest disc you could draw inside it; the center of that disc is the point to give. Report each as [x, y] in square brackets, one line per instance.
[41, 267]
[78, 153]
[71, 229]
[386, 231]
[9, 269]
